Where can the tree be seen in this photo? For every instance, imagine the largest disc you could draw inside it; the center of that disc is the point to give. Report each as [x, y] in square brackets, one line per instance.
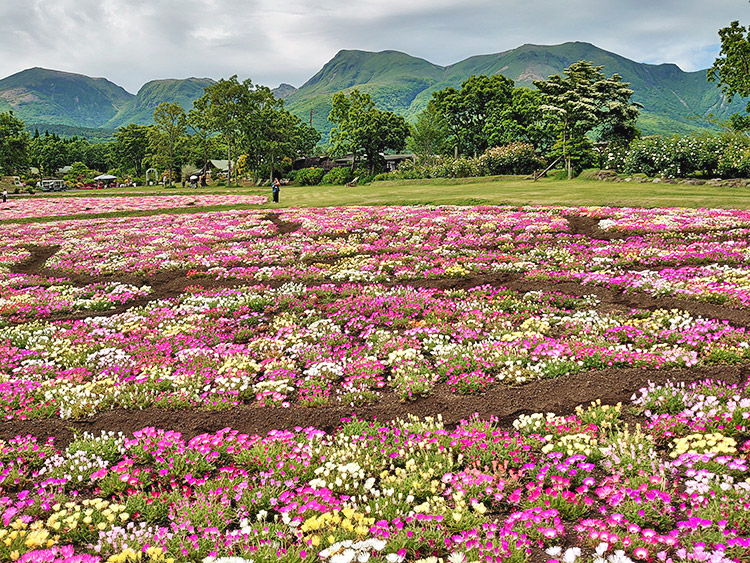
[225, 106]
[732, 67]
[429, 135]
[474, 110]
[48, 153]
[282, 135]
[201, 143]
[523, 121]
[167, 134]
[306, 138]
[130, 147]
[581, 100]
[14, 143]
[363, 130]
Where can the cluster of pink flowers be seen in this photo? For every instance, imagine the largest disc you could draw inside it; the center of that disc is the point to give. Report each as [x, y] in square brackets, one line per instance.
[401, 491]
[327, 345]
[53, 206]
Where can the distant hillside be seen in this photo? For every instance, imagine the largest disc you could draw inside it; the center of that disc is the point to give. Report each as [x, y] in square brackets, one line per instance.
[393, 79]
[674, 101]
[49, 96]
[62, 102]
[91, 134]
[283, 91]
[141, 108]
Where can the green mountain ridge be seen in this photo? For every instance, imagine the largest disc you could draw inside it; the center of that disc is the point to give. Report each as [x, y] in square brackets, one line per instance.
[48, 96]
[674, 101]
[141, 108]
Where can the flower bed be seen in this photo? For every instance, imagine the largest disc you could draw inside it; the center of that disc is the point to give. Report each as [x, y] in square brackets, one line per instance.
[48, 206]
[666, 252]
[327, 345]
[411, 490]
[332, 309]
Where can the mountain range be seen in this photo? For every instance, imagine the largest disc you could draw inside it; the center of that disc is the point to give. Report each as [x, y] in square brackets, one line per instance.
[673, 101]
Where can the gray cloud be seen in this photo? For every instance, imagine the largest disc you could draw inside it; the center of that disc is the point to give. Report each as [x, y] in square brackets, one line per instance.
[271, 41]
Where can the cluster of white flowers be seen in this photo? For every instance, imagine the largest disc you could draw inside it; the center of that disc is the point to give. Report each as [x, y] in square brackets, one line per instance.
[325, 370]
[109, 358]
[349, 551]
[349, 477]
[535, 423]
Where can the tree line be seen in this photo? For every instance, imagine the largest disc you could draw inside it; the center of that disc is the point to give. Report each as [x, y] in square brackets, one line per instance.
[237, 121]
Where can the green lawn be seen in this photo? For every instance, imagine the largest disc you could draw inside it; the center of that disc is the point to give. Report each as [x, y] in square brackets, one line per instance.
[517, 191]
[467, 191]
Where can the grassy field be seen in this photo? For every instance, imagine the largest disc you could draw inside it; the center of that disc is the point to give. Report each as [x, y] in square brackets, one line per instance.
[467, 191]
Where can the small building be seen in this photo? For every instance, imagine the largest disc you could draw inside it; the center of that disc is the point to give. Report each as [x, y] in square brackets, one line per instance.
[393, 161]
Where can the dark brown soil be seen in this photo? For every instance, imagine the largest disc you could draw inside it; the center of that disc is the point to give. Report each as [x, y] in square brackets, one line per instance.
[560, 395]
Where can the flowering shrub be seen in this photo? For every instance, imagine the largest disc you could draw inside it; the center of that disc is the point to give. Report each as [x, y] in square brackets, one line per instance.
[676, 157]
[515, 158]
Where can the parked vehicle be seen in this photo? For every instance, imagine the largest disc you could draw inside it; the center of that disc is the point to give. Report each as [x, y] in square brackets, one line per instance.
[52, 185]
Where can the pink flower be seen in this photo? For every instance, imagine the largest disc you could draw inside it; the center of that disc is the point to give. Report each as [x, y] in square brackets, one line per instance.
[640, 553]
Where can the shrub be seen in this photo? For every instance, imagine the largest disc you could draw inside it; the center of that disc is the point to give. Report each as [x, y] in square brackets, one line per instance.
[309, 176]
[734, 161]
[672, 157]
[338, 176]
[515, 158]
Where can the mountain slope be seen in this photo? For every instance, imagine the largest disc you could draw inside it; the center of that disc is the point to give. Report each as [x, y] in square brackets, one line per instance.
[141, 108]
[393, 79]
[48, 96]
[674, 101]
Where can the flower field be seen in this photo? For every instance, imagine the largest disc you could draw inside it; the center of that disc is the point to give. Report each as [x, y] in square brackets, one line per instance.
[49, 206]
[386, 384]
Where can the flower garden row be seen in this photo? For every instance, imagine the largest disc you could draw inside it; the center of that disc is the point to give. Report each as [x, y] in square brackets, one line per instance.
[700, 254]
[673, 491]
[335, 345]
[20, 208]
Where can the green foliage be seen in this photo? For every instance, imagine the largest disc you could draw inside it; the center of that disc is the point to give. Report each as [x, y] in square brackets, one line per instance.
[309, 176]
[79, 173]
[338, 176]
[130, 147]
[734, 161]
[730, 69]
[363, 130]
[429, 134]
[226, 105]
[474, 112]
[515, 158]
[581, 100]
[166, 137]
[14, 143]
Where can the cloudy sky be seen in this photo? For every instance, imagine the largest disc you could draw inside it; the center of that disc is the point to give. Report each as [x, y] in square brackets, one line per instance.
[271, 41]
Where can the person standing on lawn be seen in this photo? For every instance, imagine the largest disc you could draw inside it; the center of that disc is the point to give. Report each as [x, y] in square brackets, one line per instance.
[276, 189]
